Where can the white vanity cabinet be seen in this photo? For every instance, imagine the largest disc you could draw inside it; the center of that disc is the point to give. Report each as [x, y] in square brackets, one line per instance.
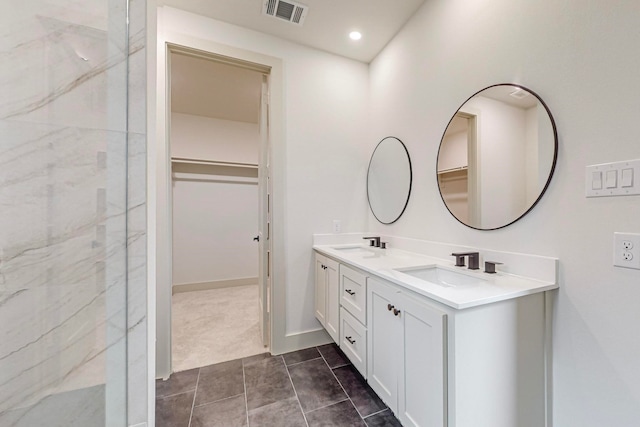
[327, 298]
[434, 365]
[353, 317]
[406, 354]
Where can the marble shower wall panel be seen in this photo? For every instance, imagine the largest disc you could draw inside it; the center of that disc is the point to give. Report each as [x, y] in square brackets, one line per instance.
[67, 212]
[68, 63]
[136, 218]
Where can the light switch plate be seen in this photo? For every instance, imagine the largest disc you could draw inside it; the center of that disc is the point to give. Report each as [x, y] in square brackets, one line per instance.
[626, 250]
[613, 179]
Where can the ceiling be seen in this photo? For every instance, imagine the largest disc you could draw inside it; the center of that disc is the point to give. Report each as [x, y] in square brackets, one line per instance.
[326, 26]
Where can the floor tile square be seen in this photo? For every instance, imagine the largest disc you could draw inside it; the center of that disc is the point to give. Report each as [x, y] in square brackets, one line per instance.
[383, 419]
[341, 414]
[178, 382]
[258, 357]
[333, 355]
[285, 413]
[231, 412]
[315, 385]
[220, 381]
[174, 411]
[363, 397]
[301, 356]
[267, 382]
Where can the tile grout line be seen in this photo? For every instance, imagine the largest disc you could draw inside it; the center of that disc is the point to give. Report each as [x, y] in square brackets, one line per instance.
[195, 393]
[308, 360]
[330, 404]
[295, 392]
[376, 413]
[244, 386]
[175, 394]
[345, 391]
[217, 401]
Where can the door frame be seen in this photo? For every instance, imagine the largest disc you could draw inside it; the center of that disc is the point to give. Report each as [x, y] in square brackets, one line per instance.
[172, 42]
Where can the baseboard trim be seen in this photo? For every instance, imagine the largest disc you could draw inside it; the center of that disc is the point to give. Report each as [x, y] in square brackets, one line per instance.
[301, 340]
[215, 284]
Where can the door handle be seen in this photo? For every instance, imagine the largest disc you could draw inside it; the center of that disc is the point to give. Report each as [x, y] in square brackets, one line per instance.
[349, 291]
[352, 341]
[257, 238]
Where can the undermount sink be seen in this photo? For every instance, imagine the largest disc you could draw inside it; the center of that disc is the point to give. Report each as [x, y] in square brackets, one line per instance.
[353, 250]
[441, 276]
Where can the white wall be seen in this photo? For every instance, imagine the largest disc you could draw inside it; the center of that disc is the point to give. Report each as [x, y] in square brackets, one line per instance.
[324, 149]
[582, 59]
[215, 209]
[207, 138]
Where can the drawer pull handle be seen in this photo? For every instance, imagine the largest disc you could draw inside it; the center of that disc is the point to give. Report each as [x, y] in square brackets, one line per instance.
[396, 311]
[349, 291]
[352, 341]
[390, 307]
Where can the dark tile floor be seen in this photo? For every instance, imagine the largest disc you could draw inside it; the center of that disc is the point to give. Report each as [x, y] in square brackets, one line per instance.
[307, 388]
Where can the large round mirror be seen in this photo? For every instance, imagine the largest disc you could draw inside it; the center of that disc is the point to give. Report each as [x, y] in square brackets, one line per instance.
[389, 180]
[497, 156]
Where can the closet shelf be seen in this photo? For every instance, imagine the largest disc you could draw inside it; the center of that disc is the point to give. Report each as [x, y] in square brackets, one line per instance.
[185, 160]
[461, 168]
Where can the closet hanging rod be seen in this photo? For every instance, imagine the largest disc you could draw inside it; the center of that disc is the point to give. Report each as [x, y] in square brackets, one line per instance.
[213, 163]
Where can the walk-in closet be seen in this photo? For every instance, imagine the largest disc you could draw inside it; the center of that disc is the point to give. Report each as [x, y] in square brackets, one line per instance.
[215, 137]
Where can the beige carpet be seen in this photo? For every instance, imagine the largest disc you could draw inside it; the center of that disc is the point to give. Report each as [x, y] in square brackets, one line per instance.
[215, 326]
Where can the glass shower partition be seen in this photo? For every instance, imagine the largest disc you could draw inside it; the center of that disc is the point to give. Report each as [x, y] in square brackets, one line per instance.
[64, 70]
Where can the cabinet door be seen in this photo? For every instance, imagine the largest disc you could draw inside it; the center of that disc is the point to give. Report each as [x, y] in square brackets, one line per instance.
[321, 290]
[332, 315]
[383, 349]
[421, 380]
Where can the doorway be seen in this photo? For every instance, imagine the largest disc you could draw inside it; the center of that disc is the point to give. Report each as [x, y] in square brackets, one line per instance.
[217, 115]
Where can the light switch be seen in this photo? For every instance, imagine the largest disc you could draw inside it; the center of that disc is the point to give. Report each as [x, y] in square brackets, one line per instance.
[627, 178]
[596, 180]
[612, 179]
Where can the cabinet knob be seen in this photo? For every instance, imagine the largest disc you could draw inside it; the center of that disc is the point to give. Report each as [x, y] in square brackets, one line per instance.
[352, 341]
[396, 312]
[389, 307]
[349, 291]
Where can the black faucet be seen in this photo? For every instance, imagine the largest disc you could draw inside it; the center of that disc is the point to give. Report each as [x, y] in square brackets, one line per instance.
[375, 241]
[474, 259]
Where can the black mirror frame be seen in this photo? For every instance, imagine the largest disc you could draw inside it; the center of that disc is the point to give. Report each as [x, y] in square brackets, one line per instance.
[410, 180]
[553, 165]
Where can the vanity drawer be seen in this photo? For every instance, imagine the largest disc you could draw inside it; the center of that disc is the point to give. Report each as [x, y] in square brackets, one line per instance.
[353, 341]
[353, 293]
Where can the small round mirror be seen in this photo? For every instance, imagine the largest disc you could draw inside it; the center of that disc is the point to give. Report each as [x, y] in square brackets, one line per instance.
[497, 156]
[389, 180]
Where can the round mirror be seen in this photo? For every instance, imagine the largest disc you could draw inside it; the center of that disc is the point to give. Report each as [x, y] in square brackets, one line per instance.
[497, 156]
[389, 180]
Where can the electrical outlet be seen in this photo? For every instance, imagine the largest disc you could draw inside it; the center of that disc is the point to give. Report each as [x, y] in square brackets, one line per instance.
[337, 226]
[626, 250]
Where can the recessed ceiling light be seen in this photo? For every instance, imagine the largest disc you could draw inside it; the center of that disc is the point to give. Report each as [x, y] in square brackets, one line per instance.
[355, 35]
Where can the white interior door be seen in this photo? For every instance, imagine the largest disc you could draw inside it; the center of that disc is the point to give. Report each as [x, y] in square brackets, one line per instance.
[264, 217]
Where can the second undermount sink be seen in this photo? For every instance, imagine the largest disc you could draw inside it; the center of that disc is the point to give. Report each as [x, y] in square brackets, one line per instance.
[441, 276]
[359, 250]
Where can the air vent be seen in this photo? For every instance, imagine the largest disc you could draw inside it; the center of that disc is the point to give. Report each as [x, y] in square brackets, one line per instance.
[286, 10]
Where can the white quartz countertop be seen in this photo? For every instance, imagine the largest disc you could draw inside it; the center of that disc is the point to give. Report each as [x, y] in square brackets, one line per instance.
[384, 263]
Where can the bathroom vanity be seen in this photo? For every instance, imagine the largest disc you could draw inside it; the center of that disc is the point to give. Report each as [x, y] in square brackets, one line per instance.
[441, 345]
